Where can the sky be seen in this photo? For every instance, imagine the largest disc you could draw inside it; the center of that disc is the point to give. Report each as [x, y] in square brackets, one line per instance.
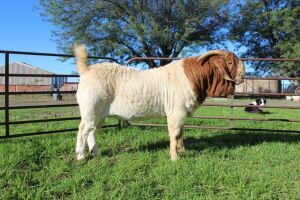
[23, 29]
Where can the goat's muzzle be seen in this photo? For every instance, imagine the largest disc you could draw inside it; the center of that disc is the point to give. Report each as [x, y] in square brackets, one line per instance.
[240, 73]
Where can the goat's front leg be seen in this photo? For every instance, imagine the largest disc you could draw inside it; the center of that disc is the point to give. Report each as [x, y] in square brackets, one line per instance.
[174, 127]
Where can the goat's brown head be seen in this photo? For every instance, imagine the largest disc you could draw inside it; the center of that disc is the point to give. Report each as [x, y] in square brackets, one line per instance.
[214, 73]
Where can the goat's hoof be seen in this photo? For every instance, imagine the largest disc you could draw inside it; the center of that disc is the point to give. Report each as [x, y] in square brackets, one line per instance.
[95, 151]
[180, 149]
[173, 157]
[80, 156]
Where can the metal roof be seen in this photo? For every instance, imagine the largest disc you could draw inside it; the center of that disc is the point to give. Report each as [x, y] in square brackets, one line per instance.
[24, 68]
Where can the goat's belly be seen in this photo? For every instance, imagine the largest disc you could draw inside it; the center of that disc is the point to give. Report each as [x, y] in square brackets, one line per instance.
[130, 110]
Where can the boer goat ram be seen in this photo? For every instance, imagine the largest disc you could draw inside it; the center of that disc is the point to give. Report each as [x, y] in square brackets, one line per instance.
[174, 91]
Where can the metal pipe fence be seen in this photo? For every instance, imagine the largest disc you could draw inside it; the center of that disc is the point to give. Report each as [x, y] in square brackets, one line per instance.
[7, 93]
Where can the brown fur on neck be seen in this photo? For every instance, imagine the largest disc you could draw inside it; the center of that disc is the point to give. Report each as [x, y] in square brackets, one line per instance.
[206, 80]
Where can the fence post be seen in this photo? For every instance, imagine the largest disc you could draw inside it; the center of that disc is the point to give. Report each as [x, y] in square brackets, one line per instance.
[232, 110]
[123, 124]
[6, 80]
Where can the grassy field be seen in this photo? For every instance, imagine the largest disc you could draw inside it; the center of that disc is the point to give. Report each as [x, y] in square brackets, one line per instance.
[134, 162]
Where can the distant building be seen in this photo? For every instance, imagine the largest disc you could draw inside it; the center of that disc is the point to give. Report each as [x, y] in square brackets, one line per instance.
[19, 84]
[259, 86]
[69, 86]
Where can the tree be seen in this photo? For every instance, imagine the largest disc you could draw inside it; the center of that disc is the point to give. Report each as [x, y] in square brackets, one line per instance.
[135, 28]
[269, 28]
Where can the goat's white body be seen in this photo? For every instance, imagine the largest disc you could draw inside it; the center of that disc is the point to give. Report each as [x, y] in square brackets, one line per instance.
[108, 89]
[112, 90]
[128, 93]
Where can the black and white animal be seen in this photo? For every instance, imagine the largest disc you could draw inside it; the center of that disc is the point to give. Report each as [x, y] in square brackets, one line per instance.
[257, 102]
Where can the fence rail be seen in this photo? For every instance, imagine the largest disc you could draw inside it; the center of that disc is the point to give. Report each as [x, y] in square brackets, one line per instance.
[7, 93]
[52, 54]
[244, 59]
[216, 128]
[41, 75]
[244, 118]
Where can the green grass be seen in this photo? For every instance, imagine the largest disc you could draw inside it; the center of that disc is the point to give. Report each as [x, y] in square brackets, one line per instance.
[134, 162]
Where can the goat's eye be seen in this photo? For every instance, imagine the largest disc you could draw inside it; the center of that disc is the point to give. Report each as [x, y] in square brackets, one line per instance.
[230, 63]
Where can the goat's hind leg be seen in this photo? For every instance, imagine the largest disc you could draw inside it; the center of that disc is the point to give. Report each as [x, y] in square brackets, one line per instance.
[180, 145]
[86, 133]
[80, 142]
[91, 140]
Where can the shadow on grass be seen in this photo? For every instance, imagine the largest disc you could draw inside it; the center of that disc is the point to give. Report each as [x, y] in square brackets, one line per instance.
[227, 140]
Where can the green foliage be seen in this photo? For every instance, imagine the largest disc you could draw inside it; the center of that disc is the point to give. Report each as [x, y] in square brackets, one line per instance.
[131, 28]
[269, 29]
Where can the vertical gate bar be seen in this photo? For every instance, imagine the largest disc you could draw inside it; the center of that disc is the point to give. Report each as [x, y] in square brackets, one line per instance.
[6, 94]
[232, 110]
[120, 124]
[123, 124]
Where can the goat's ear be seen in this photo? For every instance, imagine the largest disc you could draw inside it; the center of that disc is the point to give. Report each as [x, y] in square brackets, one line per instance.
[222, 67]
[218, 62]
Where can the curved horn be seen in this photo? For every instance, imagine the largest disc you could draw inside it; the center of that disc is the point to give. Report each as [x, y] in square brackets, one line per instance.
[210, 53]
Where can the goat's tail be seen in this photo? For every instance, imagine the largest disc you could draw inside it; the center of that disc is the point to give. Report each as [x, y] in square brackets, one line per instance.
[81, 58]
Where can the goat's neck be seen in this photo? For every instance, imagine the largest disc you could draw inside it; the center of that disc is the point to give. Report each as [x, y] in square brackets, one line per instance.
[205, 80]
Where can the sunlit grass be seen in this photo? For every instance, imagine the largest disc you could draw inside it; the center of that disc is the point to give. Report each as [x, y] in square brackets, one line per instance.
[134, 162]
